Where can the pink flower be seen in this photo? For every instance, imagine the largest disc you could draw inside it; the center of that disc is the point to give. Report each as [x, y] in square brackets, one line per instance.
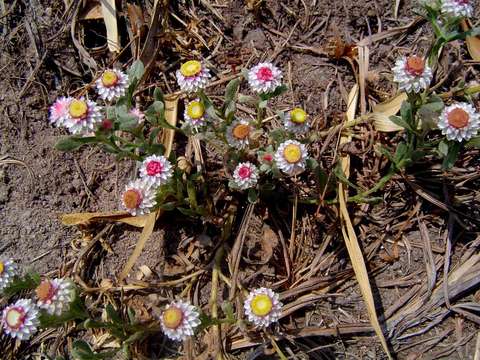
[59, 111]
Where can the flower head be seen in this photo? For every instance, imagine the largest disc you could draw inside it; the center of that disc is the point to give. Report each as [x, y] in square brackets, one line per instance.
[291, 156]
[459, 122]
[55, 296]
[238, 134]
[192, 76]
[264, 77]
[296, 121]
[245, 176]
[179, 320]
[412, 74]
[138, 197]
[20, 320]
[82, 116]
[59, 111]
[8, 271]
[112, 84]
[262, 307]
[457, 8]
[156, 170]
[194, 114]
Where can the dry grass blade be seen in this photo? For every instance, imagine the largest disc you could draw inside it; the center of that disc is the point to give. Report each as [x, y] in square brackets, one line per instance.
[382, 112]
[109, 12]
[88, 218]
[351, 241]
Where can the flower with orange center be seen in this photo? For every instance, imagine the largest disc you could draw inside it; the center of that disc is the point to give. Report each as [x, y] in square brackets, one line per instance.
[457, 8]
[179, 320]
[8, 271]
[138, 197]
[291, 156]
[262, 307]
[83, 116]
[156, 170]
[192, 76]
[412, 74]
[459, 122]
[20, 320]
[296, 121]
[55, 296]
[264, 78]
[245, 176]
[238, 133]
[112, 84]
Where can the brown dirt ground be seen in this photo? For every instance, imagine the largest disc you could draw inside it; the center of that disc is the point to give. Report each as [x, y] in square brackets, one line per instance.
[50, 183]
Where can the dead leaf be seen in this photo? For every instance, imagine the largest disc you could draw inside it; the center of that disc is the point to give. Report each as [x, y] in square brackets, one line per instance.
[109, 12]
[88, 218]
[382, 112]
[473, 42]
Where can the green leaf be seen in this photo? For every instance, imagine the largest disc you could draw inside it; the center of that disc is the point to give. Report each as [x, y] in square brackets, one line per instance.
[452, 155]
[136, 71]
[443, 148]
[113, 315]
[277, 92]
[74, 142]
[187, 212]
[263, 104]
[400, 122]
[231, 90]
[277, 135]
[311, 163]
[252, 195]
[28, 282]
[75, 312]
[473, 143]
[81, 350]
[158, 95]
[209, 108]
[125, 120]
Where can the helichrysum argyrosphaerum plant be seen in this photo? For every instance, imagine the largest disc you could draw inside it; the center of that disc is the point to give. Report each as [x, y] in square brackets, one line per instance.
[254, 157]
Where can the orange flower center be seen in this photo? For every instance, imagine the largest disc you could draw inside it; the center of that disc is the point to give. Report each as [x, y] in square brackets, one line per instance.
[109, 78]
[415, 65]
[78, 108]
[241, 131]
[261, 305]
[172, 317]
[458, 118]
[132, 199]
[45, 291]
[292, 153]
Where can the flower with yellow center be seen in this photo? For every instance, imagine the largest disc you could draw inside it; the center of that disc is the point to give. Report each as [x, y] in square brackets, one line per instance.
[59, 111]
[83, 116]
[20, 320]
[296, 121]
[179, 320]
[262, 307]
[139, 197]
[192, 76]
[112, 84]
[291, 156]
[194, 115]
[238, 133]
[459, 122]
[8, 271]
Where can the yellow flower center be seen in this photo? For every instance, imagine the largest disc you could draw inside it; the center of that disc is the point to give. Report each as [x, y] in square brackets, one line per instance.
[78, 108]
[241, 131]
[261, 305]
[191, 68]
[14, 318]
[172, 317]
[195, 110]
[109, 78]
[132, 199]
[2, 267]
[292, 153]
[298, 116]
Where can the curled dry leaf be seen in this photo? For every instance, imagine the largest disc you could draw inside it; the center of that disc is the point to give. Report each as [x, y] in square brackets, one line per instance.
[473, 42]
[382, 112]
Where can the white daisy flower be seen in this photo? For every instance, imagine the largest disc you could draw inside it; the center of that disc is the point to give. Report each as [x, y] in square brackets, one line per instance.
[59, 111]
[192, 76]
[291, 156]
[8, 271]
[457, 8]
[20, 320]
[238, 133]
[138, 197]
[156, 170]
[262, 307]
[264, 77]
[55, 296]
[82, 116]
[459, 122]
[245, 176]
[112, 84]
[179, 320]
[296, 121]
[412, 74]
[139, 115]
[194, 114]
